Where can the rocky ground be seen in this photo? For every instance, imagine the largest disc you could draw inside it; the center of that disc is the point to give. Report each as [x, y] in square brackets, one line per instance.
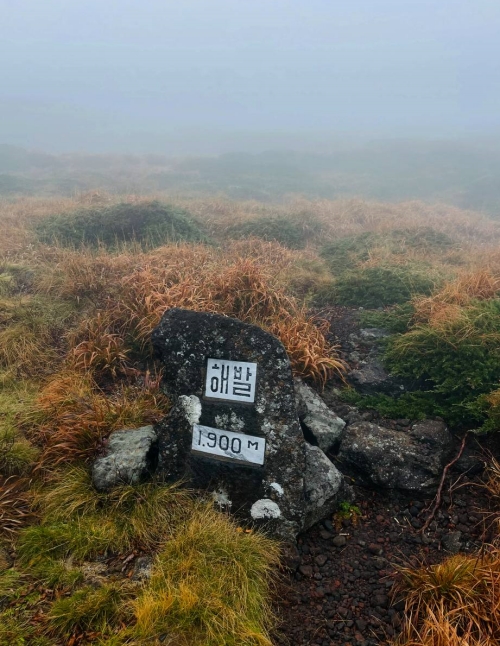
[341, 591]
[341, 585]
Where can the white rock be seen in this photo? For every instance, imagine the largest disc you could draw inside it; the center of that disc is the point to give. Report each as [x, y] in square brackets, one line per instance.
[192, 407]
[265, 509]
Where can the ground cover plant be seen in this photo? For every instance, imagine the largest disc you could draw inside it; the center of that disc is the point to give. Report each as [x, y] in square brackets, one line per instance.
[448, 345]
[151, 223]
[84, 281]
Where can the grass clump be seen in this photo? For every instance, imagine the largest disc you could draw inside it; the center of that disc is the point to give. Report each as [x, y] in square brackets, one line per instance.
[17, 455]
[349, 252]
[89, 608]
[150, 223]
[396, 319]
[291, 232]
[72, 416]
[456, 362]
[18, 605]
[455, 602]
[381, 286]
[14, 505]
[32, 334]
[188, 598]
[78, 521]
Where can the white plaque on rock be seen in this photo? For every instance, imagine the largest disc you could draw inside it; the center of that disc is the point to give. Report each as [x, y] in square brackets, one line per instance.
[226, 444]
[231, 380]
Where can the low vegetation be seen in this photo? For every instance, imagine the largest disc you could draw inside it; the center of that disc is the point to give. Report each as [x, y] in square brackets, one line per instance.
[82, 284]
[456, 602]
[150, 223]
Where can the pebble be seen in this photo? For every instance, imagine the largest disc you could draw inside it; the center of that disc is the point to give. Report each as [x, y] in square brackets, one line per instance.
[339, 541]
[306, 570]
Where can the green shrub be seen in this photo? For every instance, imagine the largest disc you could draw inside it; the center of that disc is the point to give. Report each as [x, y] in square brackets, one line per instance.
[381, 286]
[456, 363]
[346, 253]
[151, 223]
[410, 405]
[396, 319]
[293, 233]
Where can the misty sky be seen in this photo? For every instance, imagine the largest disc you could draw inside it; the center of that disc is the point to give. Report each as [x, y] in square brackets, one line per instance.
[139, 74]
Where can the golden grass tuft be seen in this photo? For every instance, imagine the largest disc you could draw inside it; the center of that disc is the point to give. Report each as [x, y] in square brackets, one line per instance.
[446, 305]
[189, 598]
[132, 292]
[455, 602]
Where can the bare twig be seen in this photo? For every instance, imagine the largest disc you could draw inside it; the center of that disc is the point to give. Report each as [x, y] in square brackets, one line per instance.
[437, 499]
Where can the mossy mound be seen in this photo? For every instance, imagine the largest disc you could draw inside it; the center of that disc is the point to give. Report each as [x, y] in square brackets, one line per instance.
[346, 253]
[379, 286]
[293, 233]
[149, 223]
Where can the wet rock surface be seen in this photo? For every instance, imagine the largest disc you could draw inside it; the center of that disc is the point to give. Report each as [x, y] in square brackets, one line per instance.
[410, 460]
[324, 486]
[369, 375]
[321, 425]
[184, 341]
[130, 456]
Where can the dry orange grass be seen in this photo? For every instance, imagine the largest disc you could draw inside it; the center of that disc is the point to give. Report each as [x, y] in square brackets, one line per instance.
[455, 602]
[447, 304]
[345, 217]
[72, 416]
[130, 293]
[14, 505]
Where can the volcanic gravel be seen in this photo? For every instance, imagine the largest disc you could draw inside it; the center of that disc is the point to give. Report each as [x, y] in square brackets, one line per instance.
[340, 586]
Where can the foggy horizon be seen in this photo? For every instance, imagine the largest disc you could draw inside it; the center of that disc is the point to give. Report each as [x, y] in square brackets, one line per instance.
[209, 77]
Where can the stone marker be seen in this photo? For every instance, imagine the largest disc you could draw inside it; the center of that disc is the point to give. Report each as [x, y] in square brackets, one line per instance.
[233, 429]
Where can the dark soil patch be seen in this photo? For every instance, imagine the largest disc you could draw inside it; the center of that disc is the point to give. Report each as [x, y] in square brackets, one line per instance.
[341, 591]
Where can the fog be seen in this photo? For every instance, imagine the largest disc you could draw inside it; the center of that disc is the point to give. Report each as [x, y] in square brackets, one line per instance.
[210, 76]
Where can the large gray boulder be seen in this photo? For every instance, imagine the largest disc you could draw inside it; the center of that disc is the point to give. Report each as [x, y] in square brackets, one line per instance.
[322, 425]
[185, 341]
[196, 350]
[324, 486]
[130, 457]
[411, 460]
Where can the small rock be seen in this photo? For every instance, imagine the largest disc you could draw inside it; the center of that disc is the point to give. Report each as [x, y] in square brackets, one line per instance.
[322, 423]
[328, 525]
[131, 456]
[360, 625]
[323, 484]
[142, 568]
[380, 600]
[306, 570]
[339, 541]
[321, 559]
[452, 542]
[409, 461]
